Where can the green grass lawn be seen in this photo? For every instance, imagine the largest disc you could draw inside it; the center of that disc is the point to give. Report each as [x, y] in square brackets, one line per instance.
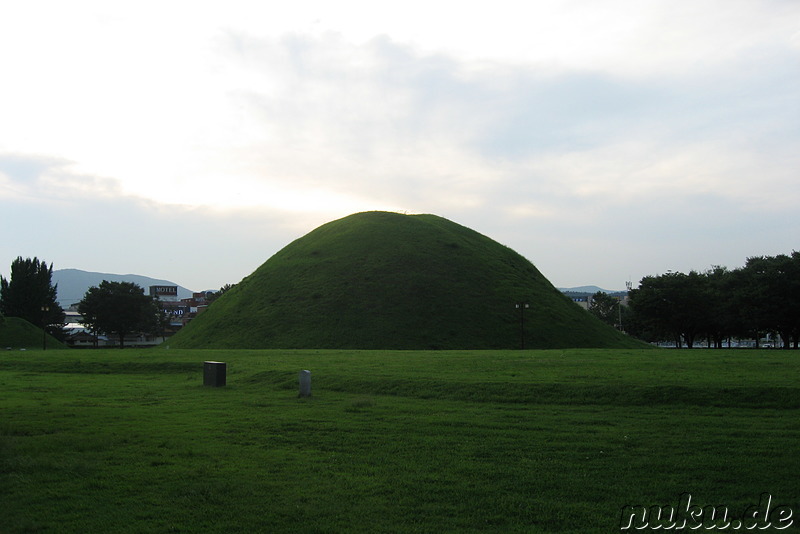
[391, 441]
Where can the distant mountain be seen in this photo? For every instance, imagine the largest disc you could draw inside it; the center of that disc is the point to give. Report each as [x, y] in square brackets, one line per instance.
[73, 283]
[589, 290]
[583, 289]
[586, 291]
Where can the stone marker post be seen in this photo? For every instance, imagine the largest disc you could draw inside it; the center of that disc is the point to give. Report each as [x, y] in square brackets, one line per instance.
[305, 383]
[214, 373]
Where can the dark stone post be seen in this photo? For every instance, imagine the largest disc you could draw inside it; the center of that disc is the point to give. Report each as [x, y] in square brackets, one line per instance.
[214, 373]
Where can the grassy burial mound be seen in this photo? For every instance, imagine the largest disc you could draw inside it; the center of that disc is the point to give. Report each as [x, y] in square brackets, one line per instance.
[379, 280]
[16, 333]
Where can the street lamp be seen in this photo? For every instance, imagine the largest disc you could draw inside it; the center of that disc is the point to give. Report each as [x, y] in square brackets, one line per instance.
[619, 303]
[45, 309]
[522, 306]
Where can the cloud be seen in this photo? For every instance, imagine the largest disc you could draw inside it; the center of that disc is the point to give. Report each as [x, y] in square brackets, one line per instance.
[385, 121]
[39, 179]
[551, 127]
[261, 117]
[74, 220]
[26, 169]
[195, 247]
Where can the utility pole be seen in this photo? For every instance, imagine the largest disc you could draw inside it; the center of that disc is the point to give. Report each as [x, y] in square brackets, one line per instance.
[522, 306]
[45, 309]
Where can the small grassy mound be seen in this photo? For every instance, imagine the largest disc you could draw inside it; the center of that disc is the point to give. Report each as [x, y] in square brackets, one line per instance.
[381, 280]
[16, 333]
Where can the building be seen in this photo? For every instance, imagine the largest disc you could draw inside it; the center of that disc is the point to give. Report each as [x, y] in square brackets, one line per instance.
[177, 311]
[164, 293]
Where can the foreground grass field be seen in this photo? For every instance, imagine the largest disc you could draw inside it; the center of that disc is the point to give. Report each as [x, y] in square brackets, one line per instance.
[508, 441]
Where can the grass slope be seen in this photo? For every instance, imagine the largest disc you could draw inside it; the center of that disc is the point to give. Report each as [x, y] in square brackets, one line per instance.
[18, 333]
[380, 280]
[451, 441]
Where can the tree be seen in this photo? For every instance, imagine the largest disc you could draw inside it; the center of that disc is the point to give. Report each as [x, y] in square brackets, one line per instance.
[763, 297]
[30, 294]
[214, 296]
[770, 295]
[119, 308]
[792, 298]
[724, 322]
[673, 305]
[653, 310]
[606, 308]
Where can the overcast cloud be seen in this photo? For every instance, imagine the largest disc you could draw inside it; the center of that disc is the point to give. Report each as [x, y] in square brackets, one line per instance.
[604, 141]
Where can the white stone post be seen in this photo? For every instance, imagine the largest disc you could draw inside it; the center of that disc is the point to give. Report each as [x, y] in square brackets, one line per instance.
[305, 383]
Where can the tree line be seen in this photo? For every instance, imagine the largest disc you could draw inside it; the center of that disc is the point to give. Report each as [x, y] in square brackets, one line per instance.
[111, 308]
[760, 298]
[115, 309]
[28, 293]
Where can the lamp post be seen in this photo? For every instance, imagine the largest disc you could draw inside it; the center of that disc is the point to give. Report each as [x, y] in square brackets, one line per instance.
[45, 309]
[522, 306]
[619, 304]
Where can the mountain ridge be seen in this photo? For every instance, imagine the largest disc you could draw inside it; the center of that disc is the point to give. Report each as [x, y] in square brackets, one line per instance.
[73, 283]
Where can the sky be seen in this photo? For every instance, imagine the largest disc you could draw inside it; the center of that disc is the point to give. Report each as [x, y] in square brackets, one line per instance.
[604, 140]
